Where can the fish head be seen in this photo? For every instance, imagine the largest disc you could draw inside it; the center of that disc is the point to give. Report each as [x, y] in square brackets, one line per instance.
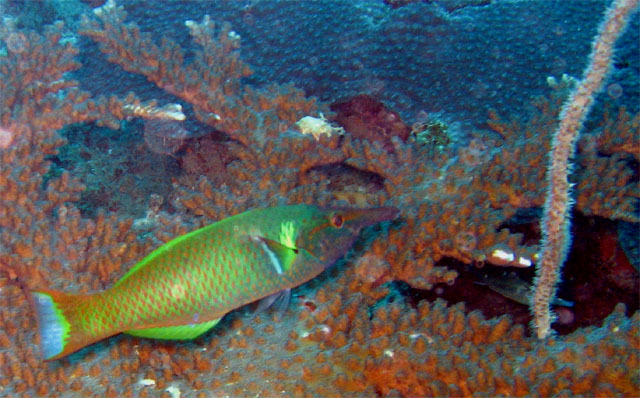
[328, 233]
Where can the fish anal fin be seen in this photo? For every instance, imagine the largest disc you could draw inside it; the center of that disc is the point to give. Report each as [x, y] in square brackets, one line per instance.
[178, 332]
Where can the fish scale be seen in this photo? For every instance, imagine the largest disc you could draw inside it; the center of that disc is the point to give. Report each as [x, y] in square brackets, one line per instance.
[184, 287]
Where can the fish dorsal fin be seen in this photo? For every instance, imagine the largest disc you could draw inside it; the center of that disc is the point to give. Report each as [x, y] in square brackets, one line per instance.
[280, 256]
[179, 332]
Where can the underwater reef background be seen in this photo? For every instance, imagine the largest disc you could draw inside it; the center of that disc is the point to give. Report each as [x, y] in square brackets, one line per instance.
[126, 126]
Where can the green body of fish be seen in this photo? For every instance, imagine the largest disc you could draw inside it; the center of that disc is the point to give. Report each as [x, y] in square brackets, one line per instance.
[184, 287]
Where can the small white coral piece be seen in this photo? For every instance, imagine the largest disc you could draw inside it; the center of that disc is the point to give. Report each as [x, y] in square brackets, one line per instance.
[317, 126]
[173, 391]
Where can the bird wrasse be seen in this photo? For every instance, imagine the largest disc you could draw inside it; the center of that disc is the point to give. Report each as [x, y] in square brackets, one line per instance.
[182, 289]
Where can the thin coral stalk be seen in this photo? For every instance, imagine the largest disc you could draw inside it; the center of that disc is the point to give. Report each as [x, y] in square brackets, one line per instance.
[555, 221]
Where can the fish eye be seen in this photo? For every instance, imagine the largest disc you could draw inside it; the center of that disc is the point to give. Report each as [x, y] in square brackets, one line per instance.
[337, 220]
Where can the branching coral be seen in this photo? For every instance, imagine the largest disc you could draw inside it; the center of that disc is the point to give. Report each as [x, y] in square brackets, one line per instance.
[349, 332]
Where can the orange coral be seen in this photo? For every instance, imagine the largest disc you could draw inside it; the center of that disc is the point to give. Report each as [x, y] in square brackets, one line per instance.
[341, 336]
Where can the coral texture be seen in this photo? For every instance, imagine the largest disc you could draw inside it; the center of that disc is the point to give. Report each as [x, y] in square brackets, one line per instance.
[359, 329]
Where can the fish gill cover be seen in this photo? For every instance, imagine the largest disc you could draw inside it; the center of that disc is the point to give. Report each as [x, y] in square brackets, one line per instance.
[134, 123]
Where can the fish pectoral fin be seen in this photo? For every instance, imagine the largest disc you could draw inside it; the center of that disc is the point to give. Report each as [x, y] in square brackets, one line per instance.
[178, 332]
[281, 256]
[279, 301]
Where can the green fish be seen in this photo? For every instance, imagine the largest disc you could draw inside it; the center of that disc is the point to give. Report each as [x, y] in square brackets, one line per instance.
[183, 288]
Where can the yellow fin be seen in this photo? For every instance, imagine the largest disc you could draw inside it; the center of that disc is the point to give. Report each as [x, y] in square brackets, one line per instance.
[179, 332]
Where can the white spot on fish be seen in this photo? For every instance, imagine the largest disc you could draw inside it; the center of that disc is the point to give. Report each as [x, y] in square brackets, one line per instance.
[503, 255]
[177, 291]
[524, 262]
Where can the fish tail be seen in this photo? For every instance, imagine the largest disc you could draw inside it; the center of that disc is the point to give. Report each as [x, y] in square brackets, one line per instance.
[60, 325]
